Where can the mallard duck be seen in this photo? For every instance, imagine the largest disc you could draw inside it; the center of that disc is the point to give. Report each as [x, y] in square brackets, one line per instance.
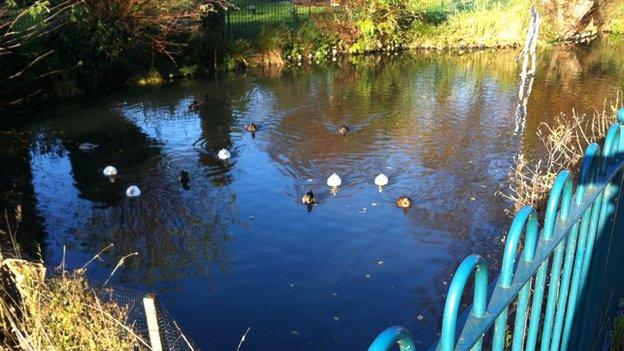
[194, 106]
[381, 180]
[343, 130]
[223, 154]
[308, 198]
[184, 178]
[252, 128]
[133, 191]
[198, 105]
[404, 202]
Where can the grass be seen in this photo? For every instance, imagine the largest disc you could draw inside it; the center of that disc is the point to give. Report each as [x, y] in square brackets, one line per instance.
[255, 14]
[486, 24]
[61, 312]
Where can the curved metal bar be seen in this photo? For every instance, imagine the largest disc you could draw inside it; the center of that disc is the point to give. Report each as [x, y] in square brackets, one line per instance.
[561, 191]
[526, 218]
[388, 338]
[589, 171]
[620, 116]
[471, 263]
[612, 146]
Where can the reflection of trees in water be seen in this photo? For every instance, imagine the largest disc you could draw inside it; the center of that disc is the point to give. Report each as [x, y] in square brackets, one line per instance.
[16, 188]
[571, 78]
[121, 143]
[176, 236]
[433, 121]
[175, 239]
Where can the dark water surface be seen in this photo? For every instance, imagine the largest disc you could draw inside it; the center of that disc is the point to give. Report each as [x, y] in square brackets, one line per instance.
[238, 249]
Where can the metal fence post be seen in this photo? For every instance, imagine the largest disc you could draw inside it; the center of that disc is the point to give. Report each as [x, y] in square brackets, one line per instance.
[151, 316]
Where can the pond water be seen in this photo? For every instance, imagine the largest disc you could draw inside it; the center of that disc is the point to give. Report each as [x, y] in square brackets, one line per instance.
[238, 249]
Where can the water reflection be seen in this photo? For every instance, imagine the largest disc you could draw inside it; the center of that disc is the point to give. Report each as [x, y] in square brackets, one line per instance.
[231, 243]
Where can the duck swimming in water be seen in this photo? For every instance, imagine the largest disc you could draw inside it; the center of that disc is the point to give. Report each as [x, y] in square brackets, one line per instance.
[252, 128]
[184, 178]
[195, 106]
[404, 202]
[308, 198]
[343, 130]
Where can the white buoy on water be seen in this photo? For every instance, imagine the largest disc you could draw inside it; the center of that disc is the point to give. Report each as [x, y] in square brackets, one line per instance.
[334, 181]
[223, 154]
[381, 180]
[110, 171]
[133, 191]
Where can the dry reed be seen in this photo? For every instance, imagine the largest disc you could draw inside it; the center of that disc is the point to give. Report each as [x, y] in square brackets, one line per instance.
[564, 141]
[61, 312]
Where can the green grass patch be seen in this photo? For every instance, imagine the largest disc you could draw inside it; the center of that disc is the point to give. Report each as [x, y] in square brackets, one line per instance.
[252, 15]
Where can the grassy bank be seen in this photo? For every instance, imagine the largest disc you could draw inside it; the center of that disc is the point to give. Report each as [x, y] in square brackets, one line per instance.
[60, 49]
[58, 311]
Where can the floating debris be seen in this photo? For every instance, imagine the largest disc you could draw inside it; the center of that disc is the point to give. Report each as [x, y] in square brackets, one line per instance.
[379, 263]
[87, 146]
[420, 317]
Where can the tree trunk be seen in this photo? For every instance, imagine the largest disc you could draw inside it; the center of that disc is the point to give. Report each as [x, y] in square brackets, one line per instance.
[573, 16]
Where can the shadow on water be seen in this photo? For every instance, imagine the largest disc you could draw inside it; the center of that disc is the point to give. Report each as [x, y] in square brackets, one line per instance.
[238, 248]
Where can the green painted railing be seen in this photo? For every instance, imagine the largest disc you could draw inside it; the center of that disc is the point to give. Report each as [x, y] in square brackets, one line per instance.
[561, 292]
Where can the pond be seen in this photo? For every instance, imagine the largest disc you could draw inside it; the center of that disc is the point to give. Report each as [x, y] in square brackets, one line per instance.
[237, 248]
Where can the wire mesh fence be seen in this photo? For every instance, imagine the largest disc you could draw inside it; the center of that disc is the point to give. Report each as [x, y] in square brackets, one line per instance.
[250, 16]
[171, 336]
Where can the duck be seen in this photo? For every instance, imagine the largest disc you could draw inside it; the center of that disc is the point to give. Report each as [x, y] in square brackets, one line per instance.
[404, 202]
[194, 106]
[308, 198]
[133, 191]
[381, 180]
[334, 181]
[252, 127]
[184, 178]
[343, 130]
[198, 105]
[87, 146]
[223, 154]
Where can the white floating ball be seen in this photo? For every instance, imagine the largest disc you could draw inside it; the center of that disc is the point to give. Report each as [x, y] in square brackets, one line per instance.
[334, 181]
[223, 154]
[133, 191]
[110, 171]
[381, 180]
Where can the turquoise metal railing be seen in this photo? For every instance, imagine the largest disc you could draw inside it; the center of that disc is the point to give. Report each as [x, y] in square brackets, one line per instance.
[561, 293]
